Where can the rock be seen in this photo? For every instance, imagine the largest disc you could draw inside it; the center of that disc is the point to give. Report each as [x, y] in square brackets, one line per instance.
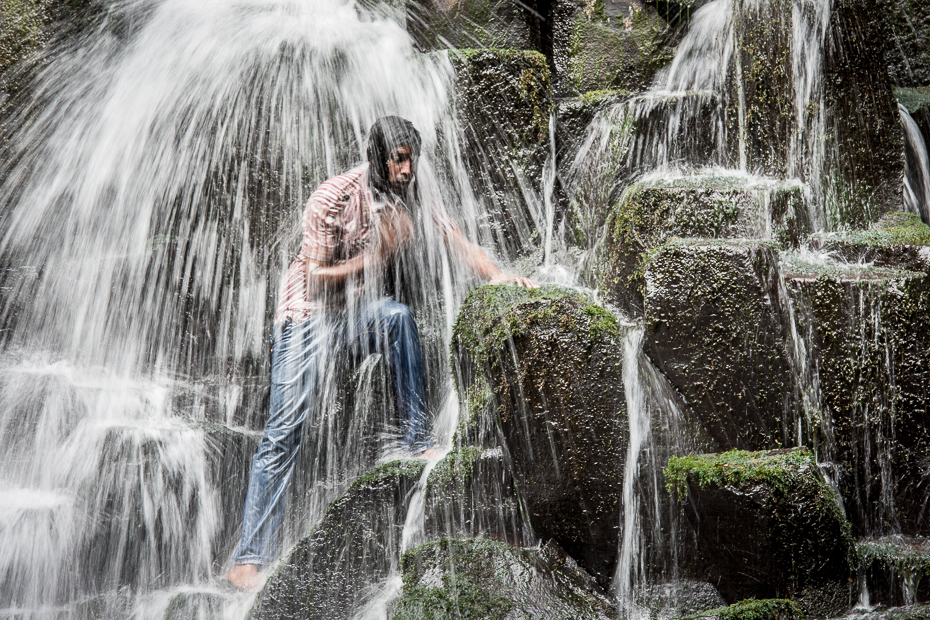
[898, 240]
[196, 606]
[908, 47]
[861, 169]
[865, 331]
[911, 612]
[714, 320]
[504, 97]
[545, 366]
[768, 526]
[896, 569]
[330, 572]
[651, 212]
[485, 579]
[607, 44]
[472, 24]
[677, 599]
[470, 493]
[766, 609]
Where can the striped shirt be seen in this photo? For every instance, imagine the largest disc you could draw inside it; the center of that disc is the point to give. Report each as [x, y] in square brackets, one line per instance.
[337, 226]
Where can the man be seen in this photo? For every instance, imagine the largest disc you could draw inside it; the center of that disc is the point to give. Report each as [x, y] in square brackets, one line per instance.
[354, 225]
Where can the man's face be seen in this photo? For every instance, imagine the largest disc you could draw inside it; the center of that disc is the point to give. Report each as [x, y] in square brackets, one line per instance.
[401, 167]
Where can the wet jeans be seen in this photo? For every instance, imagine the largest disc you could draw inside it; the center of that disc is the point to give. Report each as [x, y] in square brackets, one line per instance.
[300, 355]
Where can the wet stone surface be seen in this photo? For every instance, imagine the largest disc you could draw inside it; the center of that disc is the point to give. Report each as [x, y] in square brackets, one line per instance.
[767, 525]
[331, 571]
[766, 609]
[714, 326]
[896, 570]
[551, 362]
[475, 578]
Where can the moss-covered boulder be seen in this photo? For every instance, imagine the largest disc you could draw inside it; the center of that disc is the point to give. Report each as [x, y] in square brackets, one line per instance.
[491, 580]
[471, 493]
[898, 240]
[600, 44]
[651, 212]
[504, 98]
[714, 319]
[896, 570]
[545, 367]
[768, 525]
[329, 573]
[865, 332]
[765, 609]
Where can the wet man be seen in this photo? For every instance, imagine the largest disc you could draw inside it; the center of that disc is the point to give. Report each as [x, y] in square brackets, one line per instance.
[353, 227]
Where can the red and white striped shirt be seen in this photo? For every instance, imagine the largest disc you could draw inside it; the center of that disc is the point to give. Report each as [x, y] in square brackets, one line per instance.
[337, 226]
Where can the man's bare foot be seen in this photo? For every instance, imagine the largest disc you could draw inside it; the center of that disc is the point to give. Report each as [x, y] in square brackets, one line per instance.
[245, 577]
[429, 454]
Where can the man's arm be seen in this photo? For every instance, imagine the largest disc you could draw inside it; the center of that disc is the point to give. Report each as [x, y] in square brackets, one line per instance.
[479, 263]
[391, 232]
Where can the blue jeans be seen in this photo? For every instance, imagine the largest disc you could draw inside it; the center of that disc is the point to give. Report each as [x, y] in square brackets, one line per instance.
[299, 357]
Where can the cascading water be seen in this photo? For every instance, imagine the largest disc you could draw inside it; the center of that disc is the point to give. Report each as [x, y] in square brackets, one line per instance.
[917, 176]
[151, 192]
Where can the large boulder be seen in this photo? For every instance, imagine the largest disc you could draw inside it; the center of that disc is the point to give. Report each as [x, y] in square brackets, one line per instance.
[476, 578]
[865, 331]
[546, 365]
[649, 213]
[766, 609]
[505, 102]
[331, 572]
[714, 320]
[908, 47]
[768, 525]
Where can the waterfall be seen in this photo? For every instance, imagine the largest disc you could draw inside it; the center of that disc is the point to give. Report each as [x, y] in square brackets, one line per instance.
[151, 194]
[917, 176]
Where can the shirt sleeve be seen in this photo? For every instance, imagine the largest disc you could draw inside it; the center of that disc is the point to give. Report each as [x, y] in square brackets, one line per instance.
[322, 226]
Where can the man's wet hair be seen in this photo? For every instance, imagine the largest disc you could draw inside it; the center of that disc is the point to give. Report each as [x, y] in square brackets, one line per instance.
[386, 134]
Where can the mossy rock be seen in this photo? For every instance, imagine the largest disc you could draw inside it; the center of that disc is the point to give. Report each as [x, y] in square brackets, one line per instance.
[505, 102]
[765, 609]
[865, 330]
[714, 319]
[574, 114]
[768, 525]
[551, 363]
[328, 574]
[471, 493]
[196, 606]
[652, 212]
[909, 612]
[896, 569]
[897, 240]
[473, 24]
[609, 44]
[677, 599]
[481, 579]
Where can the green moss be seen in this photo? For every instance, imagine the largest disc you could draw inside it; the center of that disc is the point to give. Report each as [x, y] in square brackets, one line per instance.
[914, 99]
[22, 30]
[736, 468]
[892, 556]
[765, 609]
[599, 96]
[456, 467]
[408, 468]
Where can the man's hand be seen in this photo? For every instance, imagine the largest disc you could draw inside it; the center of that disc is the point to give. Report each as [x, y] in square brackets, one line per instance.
[518, 280]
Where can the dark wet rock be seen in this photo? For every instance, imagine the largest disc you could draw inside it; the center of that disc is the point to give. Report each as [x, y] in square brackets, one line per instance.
[909, 612]
[650, 213]
[863, 164]
[196, 606]
[897, 240]
[471, 493]
[574, 114]
[865, 329]
[330, 572]
[504, 96]
[608, 44]
[240, 401]
[485, 579]
[768, 526]
[908, 46]
[469, 24]
[677, 599]
[714, 326]
[545, 367]
[766, 609]
[896, 570]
